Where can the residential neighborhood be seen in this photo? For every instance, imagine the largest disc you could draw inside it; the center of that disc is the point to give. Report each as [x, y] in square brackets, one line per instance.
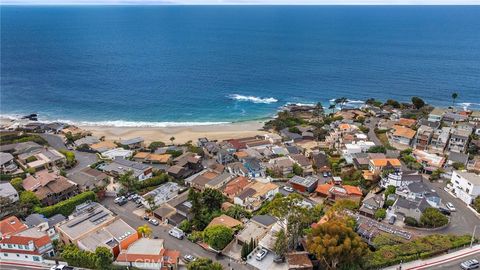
[385, 175]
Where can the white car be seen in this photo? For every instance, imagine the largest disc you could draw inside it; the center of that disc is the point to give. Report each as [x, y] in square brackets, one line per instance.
[287, 188]
[450, 207]
[119, 199]
[470, 264]
[61, 267]
[177, 233]
[153, 221]
[261, 254]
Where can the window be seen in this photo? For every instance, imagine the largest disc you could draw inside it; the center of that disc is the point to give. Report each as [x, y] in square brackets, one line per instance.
[18, 255]
[9, 246]
[26, 256]
[5, 254]
[36, 258]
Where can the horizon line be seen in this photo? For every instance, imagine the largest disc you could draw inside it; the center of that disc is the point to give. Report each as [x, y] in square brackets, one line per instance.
[3, 3]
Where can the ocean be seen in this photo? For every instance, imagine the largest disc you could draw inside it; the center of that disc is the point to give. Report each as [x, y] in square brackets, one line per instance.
[184, 65]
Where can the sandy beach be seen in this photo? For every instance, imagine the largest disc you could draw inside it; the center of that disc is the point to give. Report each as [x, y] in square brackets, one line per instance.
[181, 134]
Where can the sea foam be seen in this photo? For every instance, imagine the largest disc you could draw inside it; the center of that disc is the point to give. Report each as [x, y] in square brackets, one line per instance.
[253, 99]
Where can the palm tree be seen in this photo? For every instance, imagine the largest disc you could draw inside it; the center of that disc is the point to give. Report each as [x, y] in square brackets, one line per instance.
[145, 231]
[172, 139]
[332, 107]
[341, 101]
[454, 97]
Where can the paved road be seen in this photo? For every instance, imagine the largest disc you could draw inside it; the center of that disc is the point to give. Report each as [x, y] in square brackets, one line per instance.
[371, 133]
[184, 246]
[456, 263]
[83, 159]
[463, 220]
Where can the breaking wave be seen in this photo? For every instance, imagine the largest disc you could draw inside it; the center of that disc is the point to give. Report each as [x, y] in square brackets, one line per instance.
[253, 99]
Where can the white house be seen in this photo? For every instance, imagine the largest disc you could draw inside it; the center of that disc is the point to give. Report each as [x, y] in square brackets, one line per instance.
[8, 191]
[466, 186]
[354, 148]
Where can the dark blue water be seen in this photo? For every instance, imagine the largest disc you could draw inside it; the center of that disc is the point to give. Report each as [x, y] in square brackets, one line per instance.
[184, 63]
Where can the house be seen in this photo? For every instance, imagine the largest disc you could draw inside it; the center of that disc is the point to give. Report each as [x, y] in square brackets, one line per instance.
[377, 165]
[235, 186]
[11, 225]
[146, 253]
[371, 203]
[211, 179]
[423, 137]
[175, 210]
[7, 163]
[146, 157]
[290, 136]
[46, 157]
[162, 194]
[226, 221]
[237, 168]
[256, 228]
[117, 153]
[103, 146]
[459, 140]
[299, 260]
[436, 115]
[429, 160]
[400, 179]
[335, 190]
[355, 148]
[320, 161]
[134, 143]
[440, 139]
[273, 138]
[254, 168]
[88, 178]
[87, 218]
[24, 244]
[406, 122]
[8, 191]
[253, 195]
[451, 118]
[455, 157]
[402, 136]
[417, 191]
[225, 156]
[409, 208]
[303, 162]
[307, 184]
[284, 165]
[115, 236]
[46, 225]
[87, 140]
[50, 187]
[185, 165]
[120, 166]
[466, 185]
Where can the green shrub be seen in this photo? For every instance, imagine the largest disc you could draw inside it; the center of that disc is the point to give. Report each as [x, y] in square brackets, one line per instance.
[68, 206]
[410, 221]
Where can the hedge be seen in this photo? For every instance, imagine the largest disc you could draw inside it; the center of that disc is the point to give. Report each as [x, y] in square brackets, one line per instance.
[154, 181]
[68, 206]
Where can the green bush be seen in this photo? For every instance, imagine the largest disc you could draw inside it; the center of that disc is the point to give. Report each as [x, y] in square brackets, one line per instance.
[68, 206]
[195, 236]
[218, 236]
[153, 182]
[410, 221]
[433, 218]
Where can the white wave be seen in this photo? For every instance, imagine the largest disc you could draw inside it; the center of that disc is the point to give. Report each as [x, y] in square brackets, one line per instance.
[253, 99]
[468, 105]
[301, 104]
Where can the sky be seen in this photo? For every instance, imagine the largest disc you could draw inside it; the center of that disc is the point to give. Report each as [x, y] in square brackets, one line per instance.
[242, 2]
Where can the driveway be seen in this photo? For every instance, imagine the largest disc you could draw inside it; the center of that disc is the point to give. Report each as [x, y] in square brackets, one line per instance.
[463, 220]
[371, 132]
[184, 246]
[84, 159]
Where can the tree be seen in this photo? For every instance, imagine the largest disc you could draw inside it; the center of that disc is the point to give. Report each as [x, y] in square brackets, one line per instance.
[103, 258]
[380, 214]
[454, 97]
[458, 166]
[341, 101]
[281, 244]
[155, 145]
[28, 200]
[436, 174]
[390, 190]
[393, 103]
[418, 102]
[336, 245]
[145, 231]
[332, 107]
[128, 181]
[218, 236]
[172, 139]
[212, 199]
[476, 204]
[204, 264]
[433, 218]
[297, 170]
[17, 184]
[237, 212]
[377, 149]
[70, 157]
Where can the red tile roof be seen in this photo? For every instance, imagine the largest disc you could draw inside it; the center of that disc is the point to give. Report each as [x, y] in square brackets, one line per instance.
[11, 225]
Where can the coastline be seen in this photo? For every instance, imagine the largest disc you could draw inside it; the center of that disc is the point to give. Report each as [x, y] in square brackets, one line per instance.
[182, 134]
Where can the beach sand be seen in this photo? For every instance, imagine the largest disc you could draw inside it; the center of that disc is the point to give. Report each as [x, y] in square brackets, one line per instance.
[181, 134]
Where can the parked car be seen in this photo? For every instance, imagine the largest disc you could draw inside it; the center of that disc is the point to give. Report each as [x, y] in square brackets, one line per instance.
[177, 233]
[279, 259]
[329, 174]
[450, 207]
[287, 188]
[444, 211]
[189, 258]
[154, 222]
[325, 174]
[123, 201]
[391, 220]
[132, 197]
[146, 217]
[261, 254]
[119, 199]
[470, 264]
[61, 267]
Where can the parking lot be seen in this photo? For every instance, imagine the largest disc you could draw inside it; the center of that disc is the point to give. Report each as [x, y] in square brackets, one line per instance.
[134, 217]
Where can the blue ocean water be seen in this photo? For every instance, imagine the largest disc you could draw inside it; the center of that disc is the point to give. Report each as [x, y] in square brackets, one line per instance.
[159, 64]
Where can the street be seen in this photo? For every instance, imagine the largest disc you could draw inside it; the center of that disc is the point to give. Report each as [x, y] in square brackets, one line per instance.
[455, 264]
[184, 246]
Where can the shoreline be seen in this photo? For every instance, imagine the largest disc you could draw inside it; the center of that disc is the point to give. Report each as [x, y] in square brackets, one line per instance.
[182, 134]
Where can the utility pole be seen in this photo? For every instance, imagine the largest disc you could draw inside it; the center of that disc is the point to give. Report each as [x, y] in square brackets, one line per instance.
[473, 236]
